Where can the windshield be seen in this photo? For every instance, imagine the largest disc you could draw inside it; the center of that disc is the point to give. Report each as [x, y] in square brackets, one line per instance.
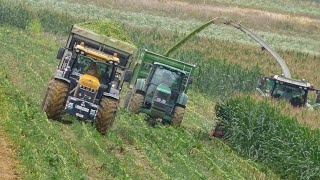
[86, 65]
[167, 77]
[294, 94]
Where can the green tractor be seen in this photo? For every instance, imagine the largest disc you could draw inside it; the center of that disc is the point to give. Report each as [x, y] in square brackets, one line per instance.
[159, 87]
[89, 78]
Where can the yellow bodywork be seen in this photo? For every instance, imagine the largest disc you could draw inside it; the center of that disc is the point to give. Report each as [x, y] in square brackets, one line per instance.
[89, 81]
[97, 55]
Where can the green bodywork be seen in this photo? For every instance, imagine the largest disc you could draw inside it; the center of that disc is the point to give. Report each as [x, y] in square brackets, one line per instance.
[148, 59]
[160, 98]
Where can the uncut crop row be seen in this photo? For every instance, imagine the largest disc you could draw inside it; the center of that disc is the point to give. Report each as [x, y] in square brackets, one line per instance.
[260, 132]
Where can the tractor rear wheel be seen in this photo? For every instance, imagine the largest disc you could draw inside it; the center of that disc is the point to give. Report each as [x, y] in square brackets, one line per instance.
[106, 114]
[54, 100]
[136, 103]
[178, 116]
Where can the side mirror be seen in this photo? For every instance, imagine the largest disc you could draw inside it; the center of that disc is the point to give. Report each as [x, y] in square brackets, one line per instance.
[61, 53]
[190, 80]
[127, 75]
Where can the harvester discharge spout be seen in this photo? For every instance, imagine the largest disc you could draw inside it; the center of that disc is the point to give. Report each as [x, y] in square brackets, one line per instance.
[264, 46]
[222, 20]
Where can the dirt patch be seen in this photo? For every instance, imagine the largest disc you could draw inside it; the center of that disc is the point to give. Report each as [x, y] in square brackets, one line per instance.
[7, 158]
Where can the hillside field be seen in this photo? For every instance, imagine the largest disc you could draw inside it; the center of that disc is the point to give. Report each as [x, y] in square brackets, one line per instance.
[229, 64]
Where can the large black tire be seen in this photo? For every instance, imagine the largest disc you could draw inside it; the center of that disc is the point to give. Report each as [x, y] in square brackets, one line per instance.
[54, 99]
[127, 98]
[136, 103]
[106, 114]
[178, 116]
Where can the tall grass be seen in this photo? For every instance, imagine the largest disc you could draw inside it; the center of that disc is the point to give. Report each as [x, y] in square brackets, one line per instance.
[260, 132]
[305, 116]
[216, 78]
[143, 19]
[204, 10]
[300, 7]
[22, 16]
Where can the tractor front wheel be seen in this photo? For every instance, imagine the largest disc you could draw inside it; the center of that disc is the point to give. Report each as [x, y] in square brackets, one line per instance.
[178, 116]
[136, 103]
[54, 100]
[106, 114]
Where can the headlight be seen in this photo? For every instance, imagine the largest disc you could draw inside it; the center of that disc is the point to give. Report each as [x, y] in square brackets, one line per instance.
[70, 106]
[92, 113]
[163, 101]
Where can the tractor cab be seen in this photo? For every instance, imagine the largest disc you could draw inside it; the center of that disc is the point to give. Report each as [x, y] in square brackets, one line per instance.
[163, 88]
[294, 91]
[91, 74]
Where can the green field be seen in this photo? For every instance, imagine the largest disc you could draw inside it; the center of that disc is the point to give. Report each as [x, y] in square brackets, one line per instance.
[228, 64]
[172, 24]
[300, 7]
[131, 149]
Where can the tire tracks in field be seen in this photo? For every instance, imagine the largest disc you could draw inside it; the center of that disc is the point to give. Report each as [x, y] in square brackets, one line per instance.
[159, 152]
[8, 160]
[8, 156]
[52, 140]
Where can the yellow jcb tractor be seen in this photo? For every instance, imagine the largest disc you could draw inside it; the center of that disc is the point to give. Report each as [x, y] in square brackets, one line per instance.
[89, 78]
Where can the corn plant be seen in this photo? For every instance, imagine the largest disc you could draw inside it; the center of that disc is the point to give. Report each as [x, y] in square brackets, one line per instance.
[260, 132]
